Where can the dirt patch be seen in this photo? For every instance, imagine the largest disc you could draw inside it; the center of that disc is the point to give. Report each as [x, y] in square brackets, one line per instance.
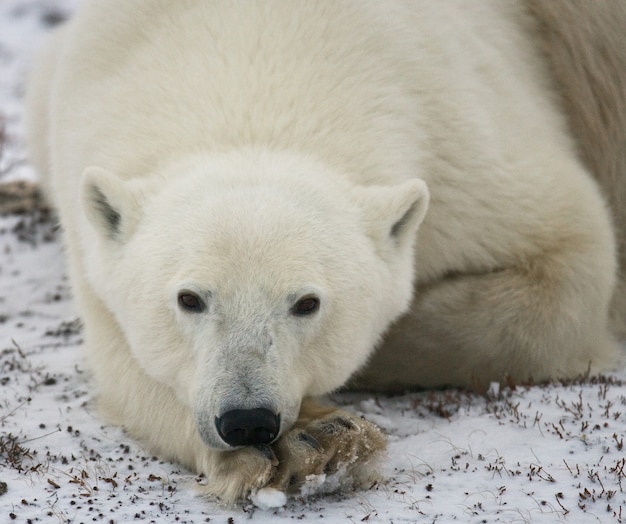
[21, 197]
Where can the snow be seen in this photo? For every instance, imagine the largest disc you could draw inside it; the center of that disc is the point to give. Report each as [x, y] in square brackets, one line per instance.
[550, 453]
[268, 498]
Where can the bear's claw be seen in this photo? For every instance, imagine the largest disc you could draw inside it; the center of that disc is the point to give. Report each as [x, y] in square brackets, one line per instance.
[268, 453]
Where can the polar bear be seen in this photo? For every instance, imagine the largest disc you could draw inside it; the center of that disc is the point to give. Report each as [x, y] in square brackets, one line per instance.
[263, 202]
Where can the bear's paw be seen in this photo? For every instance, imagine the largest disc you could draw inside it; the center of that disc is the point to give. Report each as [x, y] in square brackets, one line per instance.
[337, 451]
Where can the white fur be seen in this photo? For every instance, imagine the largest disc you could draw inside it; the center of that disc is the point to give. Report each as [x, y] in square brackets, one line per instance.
[254, 153]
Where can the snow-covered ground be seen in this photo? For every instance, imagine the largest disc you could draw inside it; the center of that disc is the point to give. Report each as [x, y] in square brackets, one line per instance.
[542, 454]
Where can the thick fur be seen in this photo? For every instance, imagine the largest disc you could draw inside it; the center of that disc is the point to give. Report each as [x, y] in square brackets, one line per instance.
[253, 154]
[584, 44]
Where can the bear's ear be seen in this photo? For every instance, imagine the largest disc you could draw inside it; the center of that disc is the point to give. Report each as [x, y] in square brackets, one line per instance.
[109, 203]
[393, 213]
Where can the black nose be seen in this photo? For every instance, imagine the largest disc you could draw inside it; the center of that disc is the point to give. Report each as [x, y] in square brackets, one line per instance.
[247, 427]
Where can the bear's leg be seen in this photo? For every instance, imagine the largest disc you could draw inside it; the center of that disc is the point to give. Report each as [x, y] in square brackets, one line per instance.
[544, 318]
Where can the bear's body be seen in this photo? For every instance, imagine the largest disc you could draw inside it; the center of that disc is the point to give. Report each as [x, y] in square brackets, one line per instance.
[241, 185]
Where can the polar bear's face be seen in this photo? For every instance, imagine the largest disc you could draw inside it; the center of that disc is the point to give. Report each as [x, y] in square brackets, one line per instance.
[249, 283]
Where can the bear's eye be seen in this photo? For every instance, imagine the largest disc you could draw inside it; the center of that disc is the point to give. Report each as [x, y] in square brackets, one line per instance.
[191, 302]
[307, 305]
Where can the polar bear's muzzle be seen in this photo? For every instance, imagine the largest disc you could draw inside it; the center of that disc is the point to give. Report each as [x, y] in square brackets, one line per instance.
[247, 412]
[245, 398]
[248, 427]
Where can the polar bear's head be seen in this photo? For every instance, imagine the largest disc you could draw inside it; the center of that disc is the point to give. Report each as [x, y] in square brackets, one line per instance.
[250, 280]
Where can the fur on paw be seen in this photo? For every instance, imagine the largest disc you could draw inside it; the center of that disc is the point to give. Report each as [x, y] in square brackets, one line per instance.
[337, 451]
[235, 474]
